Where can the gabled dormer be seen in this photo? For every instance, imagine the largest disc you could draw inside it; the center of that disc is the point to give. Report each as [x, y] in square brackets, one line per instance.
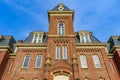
[84, 36]
[37, 37]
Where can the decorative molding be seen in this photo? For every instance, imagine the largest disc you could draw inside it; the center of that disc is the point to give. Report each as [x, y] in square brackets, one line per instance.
[12, 55]
[31, 45]
[6, 47]
[114, 48]
[92, 44]
[63, 36]
[110, 56]
[88, 50]
[34, 50]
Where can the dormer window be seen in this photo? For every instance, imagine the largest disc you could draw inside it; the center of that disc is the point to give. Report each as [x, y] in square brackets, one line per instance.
[37, 38]
[61, 28]
[84, 38]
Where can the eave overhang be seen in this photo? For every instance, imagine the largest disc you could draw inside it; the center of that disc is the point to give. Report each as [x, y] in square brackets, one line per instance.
[114, 48]
[60, 12]
[12, 55]
[110, 56]
[31, 45]
[6, 47]
[92, 44]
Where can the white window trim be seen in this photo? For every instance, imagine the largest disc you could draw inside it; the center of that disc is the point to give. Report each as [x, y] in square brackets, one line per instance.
[36, 61]
[56, 53]
[84, 63]
[65, 52]
[98, 61]
[10, 68]
[61, 27]
[24, 61]
[39, 37]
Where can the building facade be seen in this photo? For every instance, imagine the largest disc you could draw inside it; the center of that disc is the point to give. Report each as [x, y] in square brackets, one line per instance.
[60, 53]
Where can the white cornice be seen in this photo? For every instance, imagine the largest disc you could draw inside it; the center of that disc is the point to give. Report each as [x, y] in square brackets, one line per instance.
[6, 47]
[12, 55]
[91, 44]
[31, 45]
[114, 48]
[65, 36]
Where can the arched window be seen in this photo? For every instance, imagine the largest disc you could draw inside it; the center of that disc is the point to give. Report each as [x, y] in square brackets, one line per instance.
[61, 28]
[64, 51]
[61, 77]
[35, 79]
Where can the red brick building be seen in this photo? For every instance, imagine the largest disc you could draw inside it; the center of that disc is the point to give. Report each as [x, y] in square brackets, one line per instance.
[60, 53]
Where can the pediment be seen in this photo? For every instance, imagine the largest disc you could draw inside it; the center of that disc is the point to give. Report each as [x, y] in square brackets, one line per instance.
[61, 65]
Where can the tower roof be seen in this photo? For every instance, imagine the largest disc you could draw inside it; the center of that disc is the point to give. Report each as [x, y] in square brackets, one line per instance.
[60, 7]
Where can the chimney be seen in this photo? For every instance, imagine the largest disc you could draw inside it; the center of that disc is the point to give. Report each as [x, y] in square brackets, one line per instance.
[20, 41]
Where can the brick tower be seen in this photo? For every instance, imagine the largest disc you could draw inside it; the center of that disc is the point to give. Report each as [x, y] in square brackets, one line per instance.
[61, 44]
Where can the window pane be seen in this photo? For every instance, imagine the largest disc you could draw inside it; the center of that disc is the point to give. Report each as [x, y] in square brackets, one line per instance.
[26, 60]
[83, 61]
[40, 39]
[64, 49]
[21, 79]
[35, 39]
[96, 61]
[57, 52]
[86, 36]
[82, 38]
[39, 61]
[61, 29]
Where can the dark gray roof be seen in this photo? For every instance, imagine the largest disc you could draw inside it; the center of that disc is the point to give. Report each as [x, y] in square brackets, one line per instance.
[56, 8]
[7, 41]
[114, 40]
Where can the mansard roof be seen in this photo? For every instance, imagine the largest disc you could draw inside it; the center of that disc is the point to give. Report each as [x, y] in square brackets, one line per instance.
[56, 8]
[7, 41]
[114, 41]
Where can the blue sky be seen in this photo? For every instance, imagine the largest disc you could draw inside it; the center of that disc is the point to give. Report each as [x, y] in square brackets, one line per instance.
[20, 17]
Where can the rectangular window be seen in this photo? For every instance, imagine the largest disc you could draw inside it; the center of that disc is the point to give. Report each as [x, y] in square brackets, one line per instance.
[86, 37]
[26, 61]
[35, 38]
[96, 61]
[40, 39]
[38, 61]
[83, 61]
[64, 50]
[57, 52]
[82, 38]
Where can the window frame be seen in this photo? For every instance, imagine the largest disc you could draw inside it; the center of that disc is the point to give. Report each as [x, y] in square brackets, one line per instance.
[64, 52]
[37, 38]
[27, 62]
[96, 61]
[37, 61]
[61, 29]
[57, 55]
[83, 61]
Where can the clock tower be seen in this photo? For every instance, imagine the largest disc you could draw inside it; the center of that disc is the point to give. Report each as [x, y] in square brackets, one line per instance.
[61, 44]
